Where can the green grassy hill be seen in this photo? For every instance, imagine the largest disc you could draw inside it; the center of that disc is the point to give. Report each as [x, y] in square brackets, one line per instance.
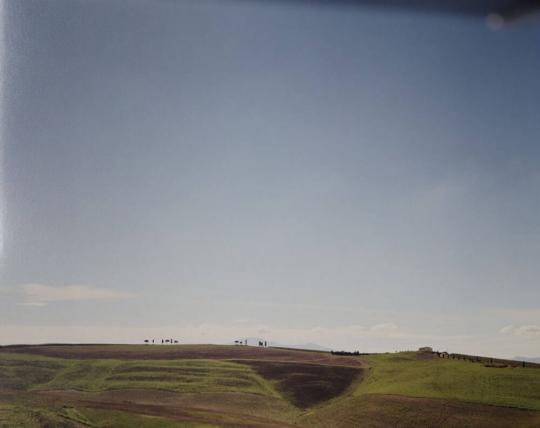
[188, 386]
[405, 374]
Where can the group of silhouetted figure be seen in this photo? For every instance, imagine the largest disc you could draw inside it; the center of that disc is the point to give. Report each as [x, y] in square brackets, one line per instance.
[163, 341]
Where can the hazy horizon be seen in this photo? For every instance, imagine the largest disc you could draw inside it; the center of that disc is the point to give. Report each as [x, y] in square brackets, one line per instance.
[211, 170]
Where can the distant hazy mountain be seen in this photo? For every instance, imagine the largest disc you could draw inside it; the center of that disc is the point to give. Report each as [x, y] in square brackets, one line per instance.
[528, 359]
[253, 341]
[308, 346]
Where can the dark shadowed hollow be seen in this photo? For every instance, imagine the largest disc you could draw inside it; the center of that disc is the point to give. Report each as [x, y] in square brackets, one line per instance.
[305, 385]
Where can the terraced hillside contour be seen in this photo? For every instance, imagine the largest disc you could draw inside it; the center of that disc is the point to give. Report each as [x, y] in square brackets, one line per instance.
[205, 385]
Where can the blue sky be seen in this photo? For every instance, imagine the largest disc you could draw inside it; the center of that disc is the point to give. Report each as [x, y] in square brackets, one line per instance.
[213, 170]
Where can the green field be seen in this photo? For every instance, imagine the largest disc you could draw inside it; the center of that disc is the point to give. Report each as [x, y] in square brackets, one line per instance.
[241, 386]
[404, 374]
[179, 376]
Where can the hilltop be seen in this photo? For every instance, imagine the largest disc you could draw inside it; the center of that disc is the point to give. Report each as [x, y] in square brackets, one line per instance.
[210, 385]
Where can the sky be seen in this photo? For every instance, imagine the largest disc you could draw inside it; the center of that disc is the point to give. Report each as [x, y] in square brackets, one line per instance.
[212, 170]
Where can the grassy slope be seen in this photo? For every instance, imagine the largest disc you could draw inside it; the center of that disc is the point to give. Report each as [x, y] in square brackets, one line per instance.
[404, 374]
[13, 415]
[115, 419]
[175, 352]
[19, 371]
[395, 374]
[22, 376]
[179, 376]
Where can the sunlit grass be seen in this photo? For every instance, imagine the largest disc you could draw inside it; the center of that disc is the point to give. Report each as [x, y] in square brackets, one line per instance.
[405, 374]
[179, 376]
[25, 380]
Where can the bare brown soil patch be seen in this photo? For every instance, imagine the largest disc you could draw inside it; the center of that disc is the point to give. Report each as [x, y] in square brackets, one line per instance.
[385, 411]
[171, 352]
[227, 410]
[305, 385]
[249, 410]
